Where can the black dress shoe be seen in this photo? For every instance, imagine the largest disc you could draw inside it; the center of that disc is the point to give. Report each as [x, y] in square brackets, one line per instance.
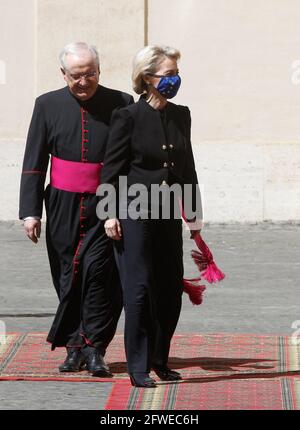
[142, 380]
[74, 361]
[166, 374]
[95, 363]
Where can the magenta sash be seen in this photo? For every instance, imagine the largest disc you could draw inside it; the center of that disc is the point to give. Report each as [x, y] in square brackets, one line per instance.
[74, 176]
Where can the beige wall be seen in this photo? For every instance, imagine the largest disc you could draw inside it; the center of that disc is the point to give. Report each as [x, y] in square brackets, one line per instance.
[17, 55]
[236, 68]
[237, 58]
[32, 34]
[16, 95]
[116, 27]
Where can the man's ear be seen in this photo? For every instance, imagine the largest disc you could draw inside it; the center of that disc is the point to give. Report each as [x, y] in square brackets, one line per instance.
[63, 73]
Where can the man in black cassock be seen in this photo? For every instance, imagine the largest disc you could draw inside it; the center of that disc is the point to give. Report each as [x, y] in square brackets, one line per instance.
[70, 127]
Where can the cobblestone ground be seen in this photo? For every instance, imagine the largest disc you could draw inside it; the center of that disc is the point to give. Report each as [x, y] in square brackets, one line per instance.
[259, 295]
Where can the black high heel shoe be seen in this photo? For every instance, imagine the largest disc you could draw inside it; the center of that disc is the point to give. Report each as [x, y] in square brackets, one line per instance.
[142, 380]
[166, 374]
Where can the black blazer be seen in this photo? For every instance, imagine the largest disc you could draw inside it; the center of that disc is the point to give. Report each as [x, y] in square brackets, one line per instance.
[150, 146]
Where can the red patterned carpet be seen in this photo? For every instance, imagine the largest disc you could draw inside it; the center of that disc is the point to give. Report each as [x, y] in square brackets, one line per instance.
[220, 371]
[214, 394]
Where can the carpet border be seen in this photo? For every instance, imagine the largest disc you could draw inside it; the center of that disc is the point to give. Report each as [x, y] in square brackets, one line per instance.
[59, 379]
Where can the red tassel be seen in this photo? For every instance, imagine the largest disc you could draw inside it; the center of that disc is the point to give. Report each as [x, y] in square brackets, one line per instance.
[213, 273]
[199, 260]
[206, 265]
[205, 251]
[204, 260]
[208, 269]
[194, 289]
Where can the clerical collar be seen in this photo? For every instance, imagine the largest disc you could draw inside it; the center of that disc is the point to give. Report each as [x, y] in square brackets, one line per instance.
[88, 101]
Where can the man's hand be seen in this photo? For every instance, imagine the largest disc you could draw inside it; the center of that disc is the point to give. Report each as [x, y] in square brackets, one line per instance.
[113, 229]
[33, 229]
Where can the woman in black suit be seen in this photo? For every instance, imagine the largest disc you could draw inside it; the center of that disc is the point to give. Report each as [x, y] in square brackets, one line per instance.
[149, 144]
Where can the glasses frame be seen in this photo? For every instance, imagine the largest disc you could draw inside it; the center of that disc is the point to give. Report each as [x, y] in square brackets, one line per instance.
[89, 75]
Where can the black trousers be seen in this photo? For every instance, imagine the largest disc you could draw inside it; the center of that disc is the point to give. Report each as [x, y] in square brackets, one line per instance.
[150, 263]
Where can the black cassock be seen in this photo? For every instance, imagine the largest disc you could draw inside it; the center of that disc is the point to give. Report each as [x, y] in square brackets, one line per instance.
[80, 254]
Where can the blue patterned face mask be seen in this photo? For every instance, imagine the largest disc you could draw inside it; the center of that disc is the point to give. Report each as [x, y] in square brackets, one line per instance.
[168, 86]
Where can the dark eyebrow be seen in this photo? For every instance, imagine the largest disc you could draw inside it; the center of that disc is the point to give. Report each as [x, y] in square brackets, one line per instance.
[171, 70]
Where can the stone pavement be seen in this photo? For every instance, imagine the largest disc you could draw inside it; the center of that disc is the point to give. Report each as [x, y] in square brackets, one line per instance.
[259, 295]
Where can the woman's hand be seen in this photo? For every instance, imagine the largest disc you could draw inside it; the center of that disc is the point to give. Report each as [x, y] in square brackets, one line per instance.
[113, 229]
[194, 232]
[195, 226]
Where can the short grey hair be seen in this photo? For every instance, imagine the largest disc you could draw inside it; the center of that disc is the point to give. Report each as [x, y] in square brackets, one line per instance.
[147, 61]
[76, 48]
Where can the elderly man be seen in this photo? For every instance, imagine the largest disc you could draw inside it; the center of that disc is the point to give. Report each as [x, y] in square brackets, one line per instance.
[70, 125]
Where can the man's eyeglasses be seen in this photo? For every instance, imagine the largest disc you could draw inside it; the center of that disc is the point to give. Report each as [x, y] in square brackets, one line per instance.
[77, 77]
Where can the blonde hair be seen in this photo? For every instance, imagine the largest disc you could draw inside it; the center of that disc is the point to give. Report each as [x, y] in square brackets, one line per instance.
[147, 61]
[76, 48]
